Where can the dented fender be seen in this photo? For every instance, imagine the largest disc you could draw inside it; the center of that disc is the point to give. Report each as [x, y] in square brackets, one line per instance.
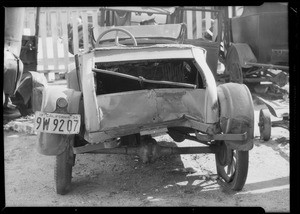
[236, 114]
[55, 144]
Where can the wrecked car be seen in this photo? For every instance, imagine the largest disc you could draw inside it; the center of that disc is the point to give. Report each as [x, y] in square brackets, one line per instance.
[141, 81]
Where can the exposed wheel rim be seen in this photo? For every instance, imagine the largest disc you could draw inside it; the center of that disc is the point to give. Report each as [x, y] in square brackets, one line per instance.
[233, 175]
[265, 124]
[226, 161]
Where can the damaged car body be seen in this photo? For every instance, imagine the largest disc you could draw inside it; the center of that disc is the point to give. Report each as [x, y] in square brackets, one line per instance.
[133, 85]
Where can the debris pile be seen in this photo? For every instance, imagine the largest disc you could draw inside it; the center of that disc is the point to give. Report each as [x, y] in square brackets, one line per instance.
[23, 124]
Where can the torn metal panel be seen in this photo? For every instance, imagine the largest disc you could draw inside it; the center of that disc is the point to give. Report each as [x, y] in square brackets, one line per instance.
[149, 107]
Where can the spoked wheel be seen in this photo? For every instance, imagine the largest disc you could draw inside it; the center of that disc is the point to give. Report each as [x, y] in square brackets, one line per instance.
[232, 167]
[63, 169]
[265, 124]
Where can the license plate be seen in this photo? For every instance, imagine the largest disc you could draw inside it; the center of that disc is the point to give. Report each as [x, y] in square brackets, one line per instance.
[57, 123]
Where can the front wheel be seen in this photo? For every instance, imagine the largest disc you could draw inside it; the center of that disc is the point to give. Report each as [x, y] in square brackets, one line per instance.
[63, 170]
[232, 167]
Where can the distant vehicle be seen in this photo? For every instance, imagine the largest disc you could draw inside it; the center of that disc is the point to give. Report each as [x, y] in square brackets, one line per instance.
[21, 81]
[138, 81]
[256, 44]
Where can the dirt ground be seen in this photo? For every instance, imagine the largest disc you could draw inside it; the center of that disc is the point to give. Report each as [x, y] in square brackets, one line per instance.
[120, 180]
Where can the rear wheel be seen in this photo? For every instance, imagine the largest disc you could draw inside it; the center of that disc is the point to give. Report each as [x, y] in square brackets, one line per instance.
[265, 124]
[63, 170]
[232, 167]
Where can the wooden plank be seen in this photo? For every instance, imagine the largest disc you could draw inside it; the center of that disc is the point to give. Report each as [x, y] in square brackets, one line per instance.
[194, 24]
[95, 23]
[199, 24]
[64, 18]
[207, 19]
[230, 11]
[43, 30]
[31, 23]
[61, 60]
[53, 16]
[85, 31]
[75, 31]
[189, 20]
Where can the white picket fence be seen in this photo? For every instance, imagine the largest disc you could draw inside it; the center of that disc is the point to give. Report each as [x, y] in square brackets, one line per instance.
[53, 52]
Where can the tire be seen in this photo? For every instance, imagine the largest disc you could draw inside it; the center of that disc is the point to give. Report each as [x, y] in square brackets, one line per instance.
[238, 161]
[63, 170]
[265, 124]
[233, 66]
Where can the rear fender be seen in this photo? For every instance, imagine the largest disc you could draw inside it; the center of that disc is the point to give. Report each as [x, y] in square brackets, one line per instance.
[236, 114]
[55, 144]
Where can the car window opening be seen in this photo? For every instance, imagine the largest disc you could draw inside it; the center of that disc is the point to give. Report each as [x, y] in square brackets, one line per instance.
[131, 76]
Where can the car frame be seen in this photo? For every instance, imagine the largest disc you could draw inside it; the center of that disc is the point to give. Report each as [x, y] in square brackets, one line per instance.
[123, 122]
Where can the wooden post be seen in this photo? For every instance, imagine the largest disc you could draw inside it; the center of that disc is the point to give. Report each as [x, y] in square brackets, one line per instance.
[189, 20]
[54, 37]
[44, 39]
[64, 18]
[199, 24]
[75, 31]
[207, 19]
[85, 30]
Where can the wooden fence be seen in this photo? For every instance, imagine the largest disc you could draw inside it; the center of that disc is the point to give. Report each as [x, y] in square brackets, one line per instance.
[53, 54]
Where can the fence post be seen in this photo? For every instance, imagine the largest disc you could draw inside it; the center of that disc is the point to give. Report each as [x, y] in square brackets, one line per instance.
[189, 20]
[85, 30]
[199, 24]
[43, 29]
[53, 15]
[75, 31]
[64, 18]
[207, 19]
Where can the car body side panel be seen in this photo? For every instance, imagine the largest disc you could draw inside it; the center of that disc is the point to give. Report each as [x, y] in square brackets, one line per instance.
[147, 107]
[91, 113]
[211, 111]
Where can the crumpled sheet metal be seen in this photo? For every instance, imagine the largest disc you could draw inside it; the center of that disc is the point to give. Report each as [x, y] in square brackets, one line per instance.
[144, 107]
